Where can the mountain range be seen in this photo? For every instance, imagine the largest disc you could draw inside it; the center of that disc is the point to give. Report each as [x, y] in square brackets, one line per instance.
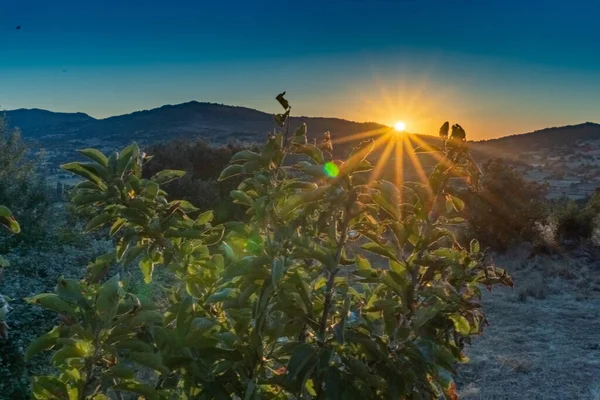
[62, 133]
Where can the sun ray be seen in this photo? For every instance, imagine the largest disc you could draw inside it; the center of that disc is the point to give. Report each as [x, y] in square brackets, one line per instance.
[382, 160]
[417, 163]
[359, 136]
[399, 163]
[362, 153]
[439, 157]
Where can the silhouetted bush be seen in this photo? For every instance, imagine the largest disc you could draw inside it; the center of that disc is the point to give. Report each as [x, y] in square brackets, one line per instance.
[506, 209]
[577, 220]
[202, 163]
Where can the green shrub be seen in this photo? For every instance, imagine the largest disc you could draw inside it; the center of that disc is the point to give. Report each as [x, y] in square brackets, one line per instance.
[279, 306]
[202, 163]
[576, 221]
[22, 187]
[506, 209]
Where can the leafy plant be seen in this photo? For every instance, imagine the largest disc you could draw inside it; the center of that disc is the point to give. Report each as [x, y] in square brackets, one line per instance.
[22, 188]
[9, 222]
[506, 209]
[285, 305]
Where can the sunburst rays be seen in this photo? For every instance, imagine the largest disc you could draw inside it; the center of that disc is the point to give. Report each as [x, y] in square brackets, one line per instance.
[395, 147]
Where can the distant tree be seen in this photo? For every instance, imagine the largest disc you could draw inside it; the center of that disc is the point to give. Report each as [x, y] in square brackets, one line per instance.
[23, 187]
[505, 210]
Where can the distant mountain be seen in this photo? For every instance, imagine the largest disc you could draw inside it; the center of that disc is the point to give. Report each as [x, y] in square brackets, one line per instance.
[549, 138]
[60, 134]
[35, 119]
[216, 122]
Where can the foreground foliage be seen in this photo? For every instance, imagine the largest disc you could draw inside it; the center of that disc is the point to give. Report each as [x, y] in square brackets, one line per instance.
[284, 306]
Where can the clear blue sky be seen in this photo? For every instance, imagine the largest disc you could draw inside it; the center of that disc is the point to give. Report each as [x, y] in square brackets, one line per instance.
[496, 67]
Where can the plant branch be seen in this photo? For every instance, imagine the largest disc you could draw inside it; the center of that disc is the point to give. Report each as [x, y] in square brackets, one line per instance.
[331, 278]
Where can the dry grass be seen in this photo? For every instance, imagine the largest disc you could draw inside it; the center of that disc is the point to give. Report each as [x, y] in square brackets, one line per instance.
[547, 347]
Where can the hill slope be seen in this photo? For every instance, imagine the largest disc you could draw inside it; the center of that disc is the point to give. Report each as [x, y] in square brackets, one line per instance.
[60, 134]
[34, 120]
[549, 138]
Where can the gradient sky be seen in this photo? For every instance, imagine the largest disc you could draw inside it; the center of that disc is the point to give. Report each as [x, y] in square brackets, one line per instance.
[496, 67]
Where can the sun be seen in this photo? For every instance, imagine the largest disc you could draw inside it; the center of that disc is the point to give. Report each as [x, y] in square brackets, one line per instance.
[400, 126]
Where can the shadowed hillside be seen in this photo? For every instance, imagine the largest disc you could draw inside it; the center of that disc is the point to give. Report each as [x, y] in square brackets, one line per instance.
[545, 138]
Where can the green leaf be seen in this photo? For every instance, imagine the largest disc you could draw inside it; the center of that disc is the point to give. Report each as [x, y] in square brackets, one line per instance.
[425, 314]
[461, 324]
[134, 345]
[475, 248]
[51, 301]
[277, 271]
[150, 360]
[364, 268]
[70, 289]
[86, 172]
[223, 295]
[135, 216]
[381, 250]
[240, 197]
[151, 190]
[245, 155]
[457, 203]
[127, 158]
[8, 221]
[301, 131]
[133, 253]
[310, 150]
[88, 198]
[44, 342]
[300, 185]
[121, 371]
[98, 221]
[167, 176]
[205, 217]
[50, 388]
[230, 171]
[65, 353]
[147, 267]
[116, 226]
[108, 298]
[301, 359]
[96, 156]
[184, 316]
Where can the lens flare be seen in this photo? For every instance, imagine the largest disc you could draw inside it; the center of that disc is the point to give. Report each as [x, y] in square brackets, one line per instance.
[331, 169]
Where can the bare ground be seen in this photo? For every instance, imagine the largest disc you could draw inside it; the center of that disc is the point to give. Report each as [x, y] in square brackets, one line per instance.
[543, 341]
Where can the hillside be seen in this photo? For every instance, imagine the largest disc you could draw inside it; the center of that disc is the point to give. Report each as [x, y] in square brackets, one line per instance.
[35, 121]
[60, 134]
[567, 158]
[549, 138]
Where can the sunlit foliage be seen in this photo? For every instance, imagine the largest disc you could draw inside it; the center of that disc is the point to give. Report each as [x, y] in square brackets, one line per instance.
[284, 306]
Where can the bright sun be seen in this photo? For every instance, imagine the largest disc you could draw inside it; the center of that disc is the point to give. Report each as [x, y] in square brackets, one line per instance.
[400, 126]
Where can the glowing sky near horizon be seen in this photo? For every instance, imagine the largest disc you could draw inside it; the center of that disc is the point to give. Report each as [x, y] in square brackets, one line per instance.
[496, 68]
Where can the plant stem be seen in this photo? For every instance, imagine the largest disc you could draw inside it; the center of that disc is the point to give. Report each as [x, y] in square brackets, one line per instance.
[414, 269]
[331, 278]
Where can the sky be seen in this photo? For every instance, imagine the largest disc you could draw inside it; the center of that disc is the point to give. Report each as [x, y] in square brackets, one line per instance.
[495, 67]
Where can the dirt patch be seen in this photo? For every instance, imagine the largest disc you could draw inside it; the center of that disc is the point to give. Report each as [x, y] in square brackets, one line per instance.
[537, 347]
